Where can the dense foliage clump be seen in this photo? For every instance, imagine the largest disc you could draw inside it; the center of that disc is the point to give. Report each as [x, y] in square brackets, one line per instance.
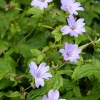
[49, 49]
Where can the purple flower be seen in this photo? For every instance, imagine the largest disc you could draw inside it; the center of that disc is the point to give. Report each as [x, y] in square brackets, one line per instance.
[52, 95]
[75, 27]
[71, 6]
[71, 52]
[39, 73]
[40, 3]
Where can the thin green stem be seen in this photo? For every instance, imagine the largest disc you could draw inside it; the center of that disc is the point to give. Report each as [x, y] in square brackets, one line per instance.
[90, 38]
[27, 88]
[26, 36]
[29, 33]
[61, 65]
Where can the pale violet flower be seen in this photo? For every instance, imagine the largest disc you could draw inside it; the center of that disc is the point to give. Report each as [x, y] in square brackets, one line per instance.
[40, 3]
[39, 73]
[71, 6]
[70, 52]
[74, 28]
[52, 95]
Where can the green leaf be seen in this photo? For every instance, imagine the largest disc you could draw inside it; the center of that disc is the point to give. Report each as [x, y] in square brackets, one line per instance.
[15, 94]
[2, 32]
[7, 66]
[80, 38]
[3, 46]
[40, 58]
[10, 94]
[57, 33]
[46, 26]
[84, 46]
[69, 84]
[25, 50]
[96, 7]
[89, 69]
[91, 97]
[36, 52]
[38, 98]
[45, 49]
[88, 16]
[11, 63]
[81, 1]
[13, 29]
[54, 83]
[77, 92]
[67, 72]
[35, 93]
[35, 11]
[2, 3]
[68, 95]
[60, 16]
[4, 83]
[39, 41]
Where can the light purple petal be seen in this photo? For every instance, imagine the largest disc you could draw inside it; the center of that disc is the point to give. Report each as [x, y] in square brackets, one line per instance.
[43, 68]
[53, 95]
[71, 52]
[34, 3]
[48, 0]
[71, 20]
[77, 6]
[73, 1]
[56, 95]
[63, 8]
[61, 50]
[45, 97]
[79, 22]
[74, 12]
[75, 27]
[33, 68]
[43, 5]
[68, 47]
[46, 76]
[39, 82]
[39, 73]
[40, 4]
[65, 30]
[73, 33]
[71, 6]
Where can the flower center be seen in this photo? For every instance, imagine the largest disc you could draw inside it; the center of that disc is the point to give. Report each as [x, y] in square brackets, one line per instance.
[70, 7]
[68, 54]
[38, 75]
[73, 27]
